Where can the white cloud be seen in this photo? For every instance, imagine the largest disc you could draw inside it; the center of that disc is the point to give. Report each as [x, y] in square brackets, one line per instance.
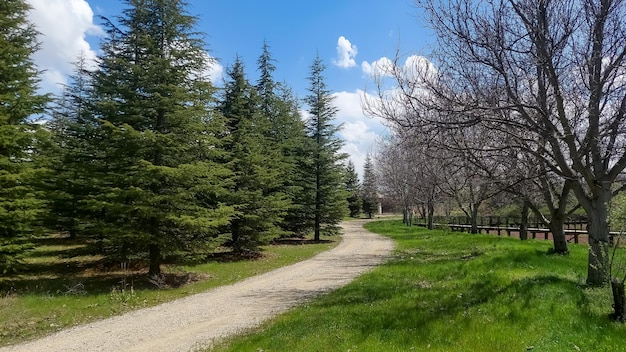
[415, 66]
[415, 74]
[214, 71]
[346, 52]
[419, 68]
[64, 25]
[359, 140]
[360, 133]
[351, 110]
[379, 68]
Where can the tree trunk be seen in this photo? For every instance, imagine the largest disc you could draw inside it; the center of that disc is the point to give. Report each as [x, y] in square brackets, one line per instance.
[155, 259]
[474, 220]
[598, 266]
[523, 227]
[558, 234]
[236, 235]
[598, 230]
[619, 300]
[318, 197]
[431, 213]
[405, 216]
[73, 231]
[316, 236]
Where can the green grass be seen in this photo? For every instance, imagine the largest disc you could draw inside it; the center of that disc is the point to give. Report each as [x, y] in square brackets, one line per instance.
[64, 286]
[453, 292]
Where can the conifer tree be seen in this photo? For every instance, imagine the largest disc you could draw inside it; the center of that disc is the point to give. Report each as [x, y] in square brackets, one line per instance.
[154, 165]
[69, 155]
[266, 85]
[256, 163]
[287, 132]
[329, 203]
[21, 203]
[297, 150]
[353, 187]
[370, 192]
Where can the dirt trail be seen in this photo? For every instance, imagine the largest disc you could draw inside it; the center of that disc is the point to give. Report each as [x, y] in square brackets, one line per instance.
[195, 321]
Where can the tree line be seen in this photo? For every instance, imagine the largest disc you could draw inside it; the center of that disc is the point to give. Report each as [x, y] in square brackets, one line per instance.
[520, 98]
[145, 159]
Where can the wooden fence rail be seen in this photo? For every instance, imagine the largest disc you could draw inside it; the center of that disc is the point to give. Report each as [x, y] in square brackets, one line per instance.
[572, 229]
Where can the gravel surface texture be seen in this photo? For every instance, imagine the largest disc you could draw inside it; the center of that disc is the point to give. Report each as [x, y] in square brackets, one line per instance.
[194, 322]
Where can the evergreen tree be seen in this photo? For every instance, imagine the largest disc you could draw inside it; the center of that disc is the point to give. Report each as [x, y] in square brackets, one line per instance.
[370, 192]
[297, 150]
[266, 85]
[21, 203]
[287, 132]
[73, 126]
[256, 163]
[329, 204]
[157, 183]
[353, 187]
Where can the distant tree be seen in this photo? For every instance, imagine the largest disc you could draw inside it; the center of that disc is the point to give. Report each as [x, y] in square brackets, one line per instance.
[257, 165]
[329, 203]
[353, 187]
[397, 176]
[411, 173]
[157, 185]
[21, 203]
[370, 189]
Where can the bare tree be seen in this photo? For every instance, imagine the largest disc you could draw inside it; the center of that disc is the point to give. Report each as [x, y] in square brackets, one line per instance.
[428, 172]
[468, 179]
[397, 176]
[548, 74]
[540, 188]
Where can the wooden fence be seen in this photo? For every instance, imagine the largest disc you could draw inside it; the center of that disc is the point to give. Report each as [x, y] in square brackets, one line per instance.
[499, 225]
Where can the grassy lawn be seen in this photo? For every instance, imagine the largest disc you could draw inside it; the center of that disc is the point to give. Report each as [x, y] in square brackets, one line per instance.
[453, 292]
[65, 287]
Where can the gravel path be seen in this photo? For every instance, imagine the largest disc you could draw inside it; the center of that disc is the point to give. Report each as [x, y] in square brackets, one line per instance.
[195, 321]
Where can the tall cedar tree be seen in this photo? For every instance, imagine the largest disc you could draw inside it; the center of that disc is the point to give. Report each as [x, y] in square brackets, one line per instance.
[20, 202]
[157, 183]
[329, 205]
[69, 155]
[288, 132]
[353, 187]
[370, 192]
[256, 193]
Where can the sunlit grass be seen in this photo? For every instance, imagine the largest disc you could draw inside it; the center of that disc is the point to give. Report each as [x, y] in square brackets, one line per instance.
[453, 292]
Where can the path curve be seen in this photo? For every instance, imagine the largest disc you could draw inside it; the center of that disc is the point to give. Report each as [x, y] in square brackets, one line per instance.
[195, 321]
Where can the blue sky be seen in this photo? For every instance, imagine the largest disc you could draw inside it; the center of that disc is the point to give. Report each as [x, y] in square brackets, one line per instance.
[350, 36]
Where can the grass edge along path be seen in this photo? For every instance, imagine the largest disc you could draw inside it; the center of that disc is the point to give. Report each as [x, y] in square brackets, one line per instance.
[451, 291]
[41, 311]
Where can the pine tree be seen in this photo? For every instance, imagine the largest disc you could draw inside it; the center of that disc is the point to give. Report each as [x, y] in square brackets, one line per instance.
[287, 132]
[370, 192]
[256, 163]
[73, 126]
[329, 204]
[158, 185]
[21, 203]
[353, 187]
[266, 85]
[297, 150]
